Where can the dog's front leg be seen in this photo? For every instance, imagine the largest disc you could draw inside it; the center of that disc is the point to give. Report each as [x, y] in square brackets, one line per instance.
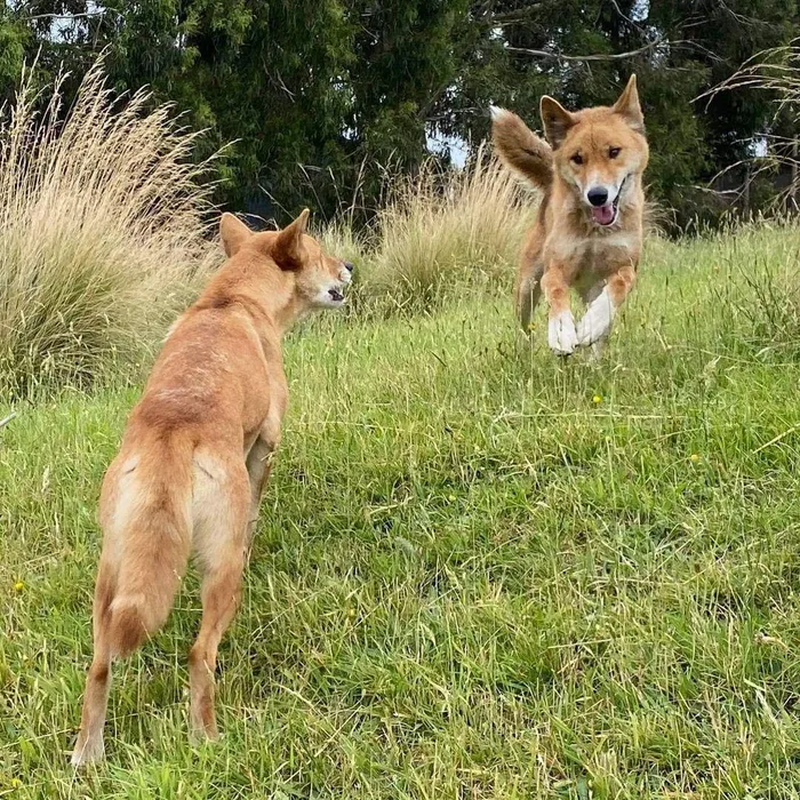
[596, 323]
[259, 466]
[259, 459]
[562, 336]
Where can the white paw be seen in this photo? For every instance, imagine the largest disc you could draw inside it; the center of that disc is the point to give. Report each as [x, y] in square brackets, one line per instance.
[561, 334]
[596, 322]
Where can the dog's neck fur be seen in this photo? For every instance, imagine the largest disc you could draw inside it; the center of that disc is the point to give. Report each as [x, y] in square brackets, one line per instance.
[253, 280]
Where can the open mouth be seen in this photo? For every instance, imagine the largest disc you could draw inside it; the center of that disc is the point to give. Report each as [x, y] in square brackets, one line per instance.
[336, 295]
[606, 215]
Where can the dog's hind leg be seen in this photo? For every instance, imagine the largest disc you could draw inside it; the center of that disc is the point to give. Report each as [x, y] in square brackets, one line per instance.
[527, 292]
[222, 506]
[145, 550]
[90, 748]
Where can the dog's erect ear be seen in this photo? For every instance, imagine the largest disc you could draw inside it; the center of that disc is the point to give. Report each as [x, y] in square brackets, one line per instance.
[233, 232]
[628, 106]
[556, 120]
[288, 250]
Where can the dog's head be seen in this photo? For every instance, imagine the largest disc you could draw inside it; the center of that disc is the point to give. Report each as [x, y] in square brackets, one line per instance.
[319, 279]
[598, 150]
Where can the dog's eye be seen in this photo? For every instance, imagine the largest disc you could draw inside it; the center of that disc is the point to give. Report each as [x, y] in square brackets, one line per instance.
[577, 159]
[614, 152]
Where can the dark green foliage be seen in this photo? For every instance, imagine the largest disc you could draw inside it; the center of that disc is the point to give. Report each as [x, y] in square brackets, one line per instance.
[13, 37]
[322, 98]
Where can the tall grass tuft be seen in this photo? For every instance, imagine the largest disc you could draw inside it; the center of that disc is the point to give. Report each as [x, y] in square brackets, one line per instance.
[441, 234]
[769, 306]
[101, 231]
[777, 72]
[773, 307]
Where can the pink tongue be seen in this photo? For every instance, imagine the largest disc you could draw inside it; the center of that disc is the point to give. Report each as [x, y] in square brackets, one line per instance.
[603, 214]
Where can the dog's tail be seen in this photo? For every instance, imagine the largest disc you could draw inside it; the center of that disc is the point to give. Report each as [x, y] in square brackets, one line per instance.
[150, 541]
[521, 149]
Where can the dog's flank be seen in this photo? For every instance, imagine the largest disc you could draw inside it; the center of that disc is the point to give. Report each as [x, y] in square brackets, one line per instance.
[195, 458]
[588, 228]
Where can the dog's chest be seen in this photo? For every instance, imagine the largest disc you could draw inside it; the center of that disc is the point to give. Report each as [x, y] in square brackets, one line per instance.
[603, 254]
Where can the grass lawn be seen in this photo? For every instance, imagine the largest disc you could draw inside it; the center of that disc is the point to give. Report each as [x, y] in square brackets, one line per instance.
[480, 572]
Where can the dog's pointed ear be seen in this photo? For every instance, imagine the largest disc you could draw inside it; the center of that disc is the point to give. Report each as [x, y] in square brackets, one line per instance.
[233, 232]
[288, 249]
[628, 106]
[556, 120]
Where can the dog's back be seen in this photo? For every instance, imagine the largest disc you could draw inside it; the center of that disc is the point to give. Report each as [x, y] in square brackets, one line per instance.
[184, 435]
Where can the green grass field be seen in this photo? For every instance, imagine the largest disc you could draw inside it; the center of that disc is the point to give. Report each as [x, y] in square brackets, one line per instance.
[480, 572]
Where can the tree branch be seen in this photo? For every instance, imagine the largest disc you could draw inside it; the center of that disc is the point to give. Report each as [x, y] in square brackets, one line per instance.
[509, 17]
[594, 57]
[84, 14]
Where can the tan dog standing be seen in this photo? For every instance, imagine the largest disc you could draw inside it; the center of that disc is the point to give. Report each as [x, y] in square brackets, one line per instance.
[195, 457]
[588, 231]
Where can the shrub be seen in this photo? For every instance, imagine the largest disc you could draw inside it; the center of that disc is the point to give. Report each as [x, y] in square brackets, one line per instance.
[442, 234]
[101, 231]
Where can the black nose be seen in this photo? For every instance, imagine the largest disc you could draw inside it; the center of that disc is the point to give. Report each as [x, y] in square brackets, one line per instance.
[348, 266]
[598, 196]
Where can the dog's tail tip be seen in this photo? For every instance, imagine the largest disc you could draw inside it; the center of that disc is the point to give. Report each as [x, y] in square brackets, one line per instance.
[520, 148]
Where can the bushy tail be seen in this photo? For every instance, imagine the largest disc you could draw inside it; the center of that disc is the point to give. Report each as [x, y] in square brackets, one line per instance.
[521, 149]
[153, 541]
